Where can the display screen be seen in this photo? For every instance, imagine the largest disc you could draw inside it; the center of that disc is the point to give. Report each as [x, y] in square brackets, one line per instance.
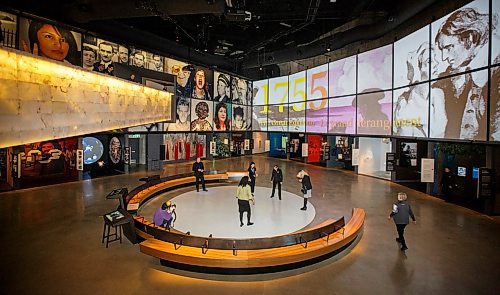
[411, 58]
[297, 88]
[297, 117]
[222, 87]
[240, 91]
[259, 118]
[495, 33]
[35, 36]
[222, 116]
[278, 90]
[239, 119]
[260, 92]
[342, 115]
[249, 118]
[458, 107]
[495, 104]
[374, 113]
[375, 69]
[342, 80]
[317, 116]
[278, 118]
[317, 82]
[92, 150]
[201, 115]
[460, 39]
[411, 111]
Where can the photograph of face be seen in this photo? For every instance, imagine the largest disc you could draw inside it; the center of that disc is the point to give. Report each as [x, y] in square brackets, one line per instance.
[115, 150]
[105, 54]
[222, 92]
[259, 118]
[342, 115]
[460, 39]
[182, 120]
[8, 26]
[138, 59]
[156, 63]
[411, 111]
[202, 85]
[278, 118]
[239, 118]
[89, 57]
[122, 55]
[239, 91]
[458, 106]
[374, 112]
[50, 41]
[495, 104]
[260, 92]
[185, 76]
[411, 58]
[342, 80]
[222, 116]
[317, 116]
[375, 69]
[408, 152]
[201, 115]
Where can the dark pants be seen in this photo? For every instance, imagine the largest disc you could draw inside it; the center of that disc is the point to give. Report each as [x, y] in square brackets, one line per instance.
[252, 185]
[305, 202]
[200, 177]
[447, 194]
[274, 188]
[401, 231]
[244, 206]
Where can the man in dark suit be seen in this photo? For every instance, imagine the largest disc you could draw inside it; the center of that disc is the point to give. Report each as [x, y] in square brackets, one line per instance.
[277, 179]
[198, 170]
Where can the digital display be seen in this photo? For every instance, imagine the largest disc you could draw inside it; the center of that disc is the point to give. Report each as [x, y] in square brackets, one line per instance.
[374, 113]
[411, 111]
[184, 146]
[259, 118]
[317, 82]
[297, 117]
[278, 90]
[460, 39]
[92, 150]
[201, 115]
[495, 104]
[278, 118]
[317, 116]
[222, 87]
[495, 33]
[260, 92]
[458, 107]
[375, 69]
[182, 116]
[461, 171]
[342, 74]
[239, 120]
[222, 116]
[297, 88]
[411, 58]
[342, 115]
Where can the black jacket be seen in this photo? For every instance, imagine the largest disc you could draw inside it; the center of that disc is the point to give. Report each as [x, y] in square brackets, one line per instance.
[197, 166]
[252, 174]
[277, 176]
[306, 182]
[401, 213]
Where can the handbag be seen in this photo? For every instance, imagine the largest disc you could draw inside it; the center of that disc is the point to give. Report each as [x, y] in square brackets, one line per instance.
[303, 190]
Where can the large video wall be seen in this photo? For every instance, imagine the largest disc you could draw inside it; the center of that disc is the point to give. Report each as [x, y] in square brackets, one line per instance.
[437, 82]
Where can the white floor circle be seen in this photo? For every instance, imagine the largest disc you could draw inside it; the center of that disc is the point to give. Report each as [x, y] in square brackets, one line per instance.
[216, 212]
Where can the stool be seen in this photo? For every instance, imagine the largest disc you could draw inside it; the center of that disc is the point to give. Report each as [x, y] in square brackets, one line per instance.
[112, 237]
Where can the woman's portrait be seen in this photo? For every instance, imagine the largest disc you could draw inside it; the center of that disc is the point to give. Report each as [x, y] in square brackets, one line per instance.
[201, 87]
[89, 57]
[202, 112]
[50, 41]
[222, 117]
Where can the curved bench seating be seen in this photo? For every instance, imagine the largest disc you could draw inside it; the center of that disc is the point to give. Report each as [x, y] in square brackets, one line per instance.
[212, 254]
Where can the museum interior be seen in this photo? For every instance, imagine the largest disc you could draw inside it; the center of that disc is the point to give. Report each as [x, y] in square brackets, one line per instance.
[142, 143]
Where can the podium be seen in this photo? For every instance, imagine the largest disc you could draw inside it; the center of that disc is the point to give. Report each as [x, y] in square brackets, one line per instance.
[117, 220]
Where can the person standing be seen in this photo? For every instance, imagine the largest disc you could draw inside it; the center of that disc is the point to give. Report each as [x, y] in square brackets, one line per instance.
[252, 173]
[401, 213]
[198, 170]
[447, 184]
[306, 189]
[244, 196]
[277, 179]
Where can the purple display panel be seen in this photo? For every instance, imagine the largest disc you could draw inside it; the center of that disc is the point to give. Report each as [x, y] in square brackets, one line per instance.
[495, 104]
[278, 118]
[411, 58]
[460, 39]
[411, 111]
[317, 116]
[342, 80]
[375, 69]
[374, 113]
[297, 117]
[459, 106]
[342, 115]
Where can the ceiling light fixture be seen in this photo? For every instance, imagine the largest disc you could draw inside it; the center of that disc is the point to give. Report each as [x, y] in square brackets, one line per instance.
[285, 25]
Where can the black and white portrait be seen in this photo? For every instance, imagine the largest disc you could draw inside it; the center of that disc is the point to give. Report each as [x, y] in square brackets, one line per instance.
[222, 89]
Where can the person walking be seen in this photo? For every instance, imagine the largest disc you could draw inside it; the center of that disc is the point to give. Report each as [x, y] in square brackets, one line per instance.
[306, 189]
[401, 213]
[198, 170]
[252, 173]
[244, 196]
[448, 183]
[277, 179]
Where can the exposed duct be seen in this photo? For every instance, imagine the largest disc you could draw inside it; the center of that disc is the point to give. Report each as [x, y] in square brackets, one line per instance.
[340, 39]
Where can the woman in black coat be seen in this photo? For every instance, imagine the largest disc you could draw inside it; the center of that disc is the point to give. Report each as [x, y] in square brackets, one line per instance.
[252, 173]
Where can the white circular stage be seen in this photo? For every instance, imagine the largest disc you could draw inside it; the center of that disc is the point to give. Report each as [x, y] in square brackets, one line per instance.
[216, 212]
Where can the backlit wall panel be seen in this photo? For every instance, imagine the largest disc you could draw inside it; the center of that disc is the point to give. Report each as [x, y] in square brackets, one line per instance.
[278, 90]
[342, 115]
[278, 118]
[375, 69]
[411, 58]
[342, 76]
[411, 111]
[317, 82]
[317, 116]
[260, 92]
[374, 113]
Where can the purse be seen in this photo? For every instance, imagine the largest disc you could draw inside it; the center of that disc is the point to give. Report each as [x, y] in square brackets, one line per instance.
[303, 190]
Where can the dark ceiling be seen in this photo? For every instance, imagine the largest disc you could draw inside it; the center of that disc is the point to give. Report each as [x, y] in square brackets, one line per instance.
[232, 32]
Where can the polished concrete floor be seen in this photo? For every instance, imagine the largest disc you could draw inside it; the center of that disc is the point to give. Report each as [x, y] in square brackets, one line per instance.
[51, 243]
